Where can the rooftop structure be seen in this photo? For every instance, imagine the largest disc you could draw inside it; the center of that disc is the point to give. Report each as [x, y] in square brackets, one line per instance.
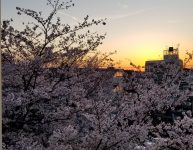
[170, 56]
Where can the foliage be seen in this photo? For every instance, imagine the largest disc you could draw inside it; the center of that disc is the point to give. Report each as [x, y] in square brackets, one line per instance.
[45, 42]
[55, 96]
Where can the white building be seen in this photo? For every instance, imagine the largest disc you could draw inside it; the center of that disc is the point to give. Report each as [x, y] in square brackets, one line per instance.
[170, 57]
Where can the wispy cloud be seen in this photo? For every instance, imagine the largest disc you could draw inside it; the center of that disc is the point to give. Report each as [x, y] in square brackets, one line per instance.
[114, 17]
[70, 16]
[130, 14]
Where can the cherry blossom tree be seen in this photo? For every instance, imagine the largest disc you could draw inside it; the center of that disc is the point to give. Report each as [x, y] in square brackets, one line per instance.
[46, 41]
[56, 96]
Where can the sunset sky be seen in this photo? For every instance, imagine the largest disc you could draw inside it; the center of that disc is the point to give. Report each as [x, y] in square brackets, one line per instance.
[138, 29]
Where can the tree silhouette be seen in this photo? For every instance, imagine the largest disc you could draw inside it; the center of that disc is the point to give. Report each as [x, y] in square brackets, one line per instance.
[55, 96]
[46, 42]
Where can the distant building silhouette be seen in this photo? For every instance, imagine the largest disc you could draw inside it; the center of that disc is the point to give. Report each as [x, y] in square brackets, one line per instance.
[171, 57]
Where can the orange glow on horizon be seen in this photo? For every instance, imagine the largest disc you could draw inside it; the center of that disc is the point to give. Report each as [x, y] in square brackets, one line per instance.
[145, 52]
